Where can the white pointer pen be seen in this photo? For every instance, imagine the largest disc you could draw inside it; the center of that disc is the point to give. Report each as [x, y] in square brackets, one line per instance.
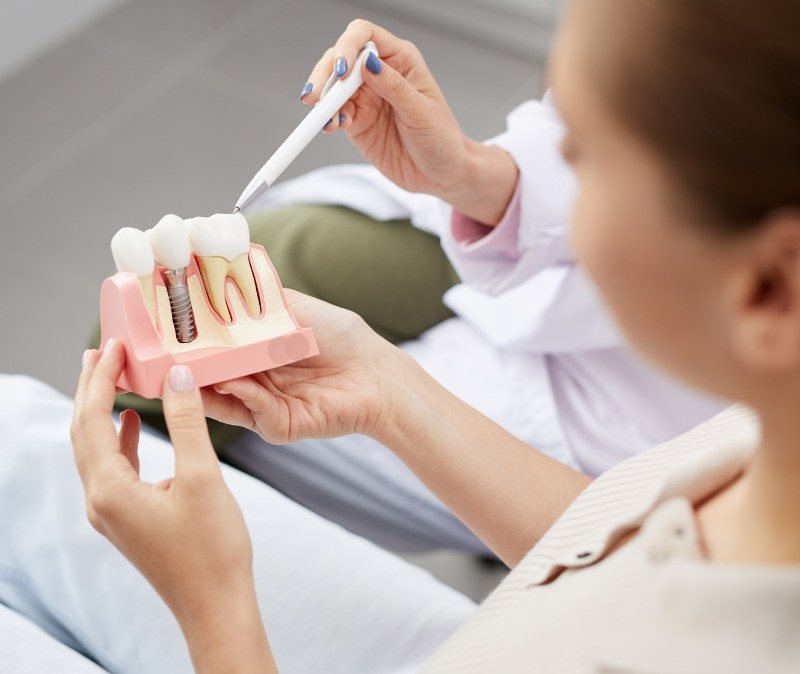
[334, 95]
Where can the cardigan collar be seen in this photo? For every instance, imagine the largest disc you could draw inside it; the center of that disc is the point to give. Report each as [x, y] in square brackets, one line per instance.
[693, 476]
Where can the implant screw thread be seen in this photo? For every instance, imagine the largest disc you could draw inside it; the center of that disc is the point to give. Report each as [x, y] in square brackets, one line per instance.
[181, 304]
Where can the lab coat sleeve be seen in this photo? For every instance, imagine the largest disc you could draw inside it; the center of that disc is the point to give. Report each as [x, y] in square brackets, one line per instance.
[533, 234]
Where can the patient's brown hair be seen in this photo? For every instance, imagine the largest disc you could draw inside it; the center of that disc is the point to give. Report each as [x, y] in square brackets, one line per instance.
[714, 87]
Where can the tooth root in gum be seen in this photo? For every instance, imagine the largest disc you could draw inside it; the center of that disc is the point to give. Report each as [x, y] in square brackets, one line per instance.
[149, 291]
[239, 270]
[214, 271]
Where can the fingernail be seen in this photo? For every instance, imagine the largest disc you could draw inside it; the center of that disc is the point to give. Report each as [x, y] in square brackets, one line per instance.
[85, 360]
[374, 64]
[181, 379]
[342, 117]
[341, 67]
[306, 90]
[109, 345]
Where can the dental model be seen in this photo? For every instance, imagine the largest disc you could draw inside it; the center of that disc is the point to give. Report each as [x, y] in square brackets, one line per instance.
[220, 310]
[172, 249]
[221, 244]
[132, 253]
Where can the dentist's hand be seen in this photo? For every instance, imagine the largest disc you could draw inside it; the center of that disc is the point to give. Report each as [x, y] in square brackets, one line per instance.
[186, 534]
[400, 122]
[346, 389]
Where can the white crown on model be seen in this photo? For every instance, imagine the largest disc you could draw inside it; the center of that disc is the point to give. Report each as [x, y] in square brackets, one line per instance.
[132, 252]
[170, 242]
[222, 234]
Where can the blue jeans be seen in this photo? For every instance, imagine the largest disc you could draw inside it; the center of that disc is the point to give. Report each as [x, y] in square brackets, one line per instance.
[314, 579]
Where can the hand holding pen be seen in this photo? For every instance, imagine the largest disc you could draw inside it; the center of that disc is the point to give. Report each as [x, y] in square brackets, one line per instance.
[401, 123]
[378, 89]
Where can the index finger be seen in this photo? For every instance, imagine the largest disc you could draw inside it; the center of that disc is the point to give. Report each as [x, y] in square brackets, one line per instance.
[101, 389]
[87, 367]
[95, 437]
[356, 35]
[341, 57]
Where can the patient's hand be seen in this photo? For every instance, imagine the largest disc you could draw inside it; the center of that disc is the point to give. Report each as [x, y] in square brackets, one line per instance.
[345, 389]
[186, 534]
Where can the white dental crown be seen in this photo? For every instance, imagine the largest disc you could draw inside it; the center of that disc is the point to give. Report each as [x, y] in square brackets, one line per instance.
[220, 235]
[132, 252]
[170, 242]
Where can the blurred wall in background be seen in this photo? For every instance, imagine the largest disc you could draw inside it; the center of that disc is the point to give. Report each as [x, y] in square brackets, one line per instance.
[522, 27]
[28, 27]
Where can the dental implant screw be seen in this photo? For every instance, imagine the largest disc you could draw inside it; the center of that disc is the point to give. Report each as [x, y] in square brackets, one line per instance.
[181, 304]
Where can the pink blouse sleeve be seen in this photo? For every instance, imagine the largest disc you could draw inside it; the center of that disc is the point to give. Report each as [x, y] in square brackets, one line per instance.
[481, 254]
[470, 236]
[533, 234]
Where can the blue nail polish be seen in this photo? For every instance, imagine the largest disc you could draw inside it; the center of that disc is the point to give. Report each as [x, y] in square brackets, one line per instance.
[341, 67]
[374, 64]
[342, 117]
[306, 90]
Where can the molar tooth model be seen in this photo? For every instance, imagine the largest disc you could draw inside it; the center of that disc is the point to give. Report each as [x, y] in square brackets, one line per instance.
[221, 244]
[197, 293]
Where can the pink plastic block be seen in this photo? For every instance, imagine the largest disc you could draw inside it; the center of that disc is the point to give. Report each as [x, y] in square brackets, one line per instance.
[124, 317]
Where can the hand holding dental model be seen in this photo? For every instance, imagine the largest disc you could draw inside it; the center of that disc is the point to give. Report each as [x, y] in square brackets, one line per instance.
[197, 292]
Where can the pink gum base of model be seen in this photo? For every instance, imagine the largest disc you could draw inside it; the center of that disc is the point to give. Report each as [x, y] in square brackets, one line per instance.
[124, 316]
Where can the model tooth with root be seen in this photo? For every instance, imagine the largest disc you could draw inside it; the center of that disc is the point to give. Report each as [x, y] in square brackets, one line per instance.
[132, 253]
[221, 244]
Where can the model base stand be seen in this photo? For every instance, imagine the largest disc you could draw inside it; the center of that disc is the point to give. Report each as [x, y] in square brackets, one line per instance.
[137, 313]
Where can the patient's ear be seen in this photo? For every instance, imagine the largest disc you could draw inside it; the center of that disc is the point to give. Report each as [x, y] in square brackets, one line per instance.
[767, 297]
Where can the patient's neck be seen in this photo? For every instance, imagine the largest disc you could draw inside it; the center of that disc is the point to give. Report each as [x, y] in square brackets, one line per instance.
[757, 518]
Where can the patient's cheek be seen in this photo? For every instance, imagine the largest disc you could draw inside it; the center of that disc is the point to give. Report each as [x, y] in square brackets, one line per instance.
[592, 242]
[581, 231]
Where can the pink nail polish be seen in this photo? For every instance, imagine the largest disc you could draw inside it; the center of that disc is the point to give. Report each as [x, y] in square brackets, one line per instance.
[181, 379]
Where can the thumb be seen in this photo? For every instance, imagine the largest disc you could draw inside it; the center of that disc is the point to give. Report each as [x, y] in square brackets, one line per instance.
[391, 86]
[186, 422]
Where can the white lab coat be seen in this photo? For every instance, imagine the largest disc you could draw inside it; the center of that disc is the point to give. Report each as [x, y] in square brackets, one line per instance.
[591, 401]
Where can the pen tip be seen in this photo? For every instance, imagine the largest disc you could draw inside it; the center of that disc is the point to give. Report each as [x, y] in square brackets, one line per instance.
[250, 196]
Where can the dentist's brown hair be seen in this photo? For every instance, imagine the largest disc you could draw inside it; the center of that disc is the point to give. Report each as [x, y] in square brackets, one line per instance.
[714, 87]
